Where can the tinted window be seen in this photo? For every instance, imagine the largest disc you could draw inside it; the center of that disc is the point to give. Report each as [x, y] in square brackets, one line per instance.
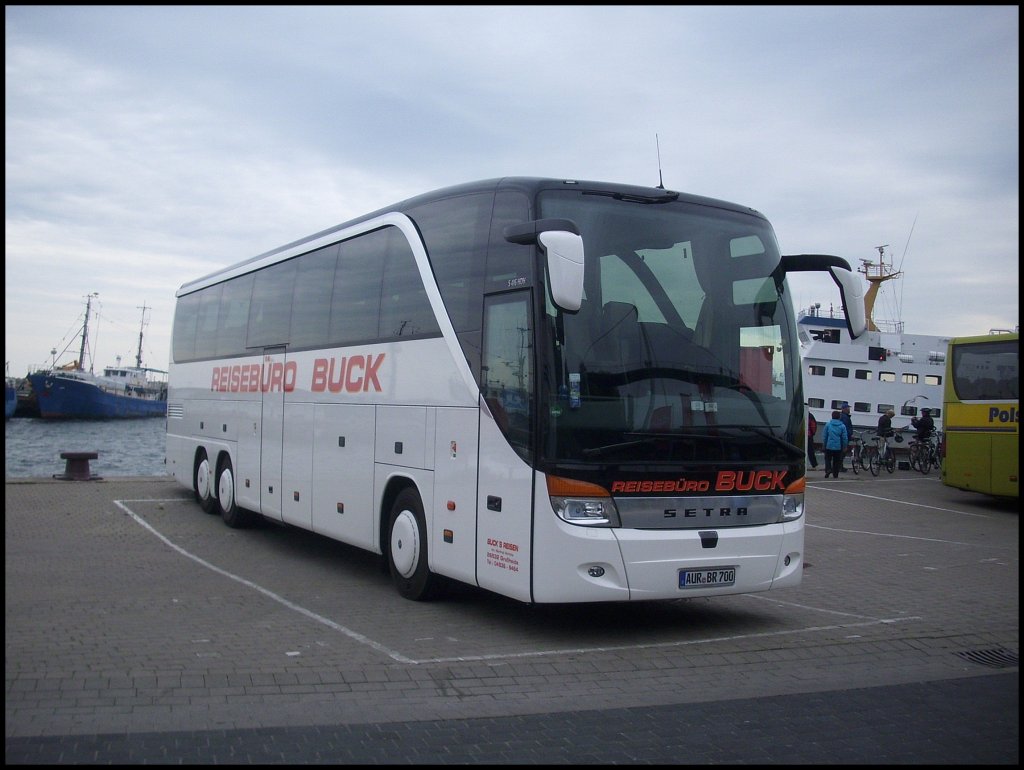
[206, 322]
[311, 306]
[508, 363]
[234, 316]
[455, 233]
[270, 312]
[508, 264]
[355, 303]
[185, 316]
[404, 307]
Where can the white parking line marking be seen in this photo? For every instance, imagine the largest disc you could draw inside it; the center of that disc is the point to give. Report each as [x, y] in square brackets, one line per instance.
[907, 537]
[266, 592]
[833, 488]
[397, 656]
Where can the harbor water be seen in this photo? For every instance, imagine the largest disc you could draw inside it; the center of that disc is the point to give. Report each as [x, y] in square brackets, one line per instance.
[32, 446]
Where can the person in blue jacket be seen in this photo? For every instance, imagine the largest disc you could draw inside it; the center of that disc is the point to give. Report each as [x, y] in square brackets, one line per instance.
[834, 440]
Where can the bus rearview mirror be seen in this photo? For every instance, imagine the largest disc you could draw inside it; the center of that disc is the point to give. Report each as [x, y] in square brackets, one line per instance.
[564, 251]
[852, 292]
[563, 247]
[850, 288]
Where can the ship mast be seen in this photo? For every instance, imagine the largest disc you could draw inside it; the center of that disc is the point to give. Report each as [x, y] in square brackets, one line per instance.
[876, 275]
[142, 325]
[85, 331]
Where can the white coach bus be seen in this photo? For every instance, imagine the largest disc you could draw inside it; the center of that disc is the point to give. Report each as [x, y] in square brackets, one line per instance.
[556, 390]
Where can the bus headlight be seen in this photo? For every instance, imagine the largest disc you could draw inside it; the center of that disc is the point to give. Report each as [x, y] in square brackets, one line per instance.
[792, 507]
[582, 503]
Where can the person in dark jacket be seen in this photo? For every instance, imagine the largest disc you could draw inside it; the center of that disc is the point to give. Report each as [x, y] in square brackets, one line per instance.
[884, 428]
[844, 415]
[834, 440]
[812, 429]
[925, 424]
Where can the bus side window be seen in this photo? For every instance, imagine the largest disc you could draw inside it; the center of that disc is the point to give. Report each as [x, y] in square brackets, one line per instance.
[404, 307]
[270, 309]
[355, 303]
[311, 305]
[207, 321]
[507, 372]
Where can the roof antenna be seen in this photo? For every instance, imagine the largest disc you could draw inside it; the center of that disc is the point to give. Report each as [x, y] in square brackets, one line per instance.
[661, 184]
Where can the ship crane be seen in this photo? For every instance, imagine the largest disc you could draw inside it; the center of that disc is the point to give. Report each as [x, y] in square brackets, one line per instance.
[876, 274]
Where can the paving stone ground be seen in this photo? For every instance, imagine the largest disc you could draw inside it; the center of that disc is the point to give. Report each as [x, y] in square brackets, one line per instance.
[140, 630]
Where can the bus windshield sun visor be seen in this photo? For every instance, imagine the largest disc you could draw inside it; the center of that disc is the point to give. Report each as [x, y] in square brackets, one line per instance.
[527, 232]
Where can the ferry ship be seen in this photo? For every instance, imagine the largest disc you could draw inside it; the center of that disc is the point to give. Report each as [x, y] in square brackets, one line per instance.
[885, 368]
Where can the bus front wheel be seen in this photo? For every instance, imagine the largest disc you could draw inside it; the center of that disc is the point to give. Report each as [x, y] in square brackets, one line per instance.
[202, 484]
[407, 547]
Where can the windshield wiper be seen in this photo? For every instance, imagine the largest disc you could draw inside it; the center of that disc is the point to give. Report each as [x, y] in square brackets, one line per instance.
[600, 450]
[651, 438]
[791, 448]
[664, 197]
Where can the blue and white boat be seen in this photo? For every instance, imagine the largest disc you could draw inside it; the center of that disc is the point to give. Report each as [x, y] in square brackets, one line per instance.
[10, 397]
[120, 392]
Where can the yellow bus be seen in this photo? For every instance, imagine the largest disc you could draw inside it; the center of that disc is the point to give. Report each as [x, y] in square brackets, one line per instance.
[981, 412]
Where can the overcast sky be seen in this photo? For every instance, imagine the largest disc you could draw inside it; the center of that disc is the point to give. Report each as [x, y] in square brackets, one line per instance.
[147, 146]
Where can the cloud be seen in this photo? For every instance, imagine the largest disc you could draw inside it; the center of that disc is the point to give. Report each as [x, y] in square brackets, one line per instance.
[147, 146]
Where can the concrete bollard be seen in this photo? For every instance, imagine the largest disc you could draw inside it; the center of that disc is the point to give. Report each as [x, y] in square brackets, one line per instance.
[76, 467]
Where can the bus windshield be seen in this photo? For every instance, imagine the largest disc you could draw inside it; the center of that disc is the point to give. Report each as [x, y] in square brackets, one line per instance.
[684, 348]
[986, 370]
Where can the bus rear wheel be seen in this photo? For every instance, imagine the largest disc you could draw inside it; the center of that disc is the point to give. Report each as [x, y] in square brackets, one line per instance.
[407, 548]
[202, 484]
[233, 516]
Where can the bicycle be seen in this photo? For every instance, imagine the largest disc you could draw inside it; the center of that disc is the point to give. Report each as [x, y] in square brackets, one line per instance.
[881, 456]
[868, 453]
[867, 449]
[858, 456]
[914, 449]
[930, 458]
[924, 455]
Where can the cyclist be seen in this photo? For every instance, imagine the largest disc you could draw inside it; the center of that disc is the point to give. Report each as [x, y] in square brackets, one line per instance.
[884, 431]
[926, 441]
[925, 425]
[885, 424]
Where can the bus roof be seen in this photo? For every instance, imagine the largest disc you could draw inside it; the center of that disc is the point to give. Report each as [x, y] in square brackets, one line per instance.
[993, 336]
[530, 186]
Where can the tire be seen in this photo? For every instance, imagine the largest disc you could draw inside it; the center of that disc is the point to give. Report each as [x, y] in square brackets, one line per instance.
[856, 463]
[913, 454]
[233, 516]
[925, 462]
[890, 461]
[875, 462]
[202, 485]
[407, 548]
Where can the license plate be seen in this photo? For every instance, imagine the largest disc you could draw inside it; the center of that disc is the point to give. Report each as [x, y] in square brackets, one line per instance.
[708, 577]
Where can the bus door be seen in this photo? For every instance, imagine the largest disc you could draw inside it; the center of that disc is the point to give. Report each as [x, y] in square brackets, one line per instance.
[272, 388]
[505, 490]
